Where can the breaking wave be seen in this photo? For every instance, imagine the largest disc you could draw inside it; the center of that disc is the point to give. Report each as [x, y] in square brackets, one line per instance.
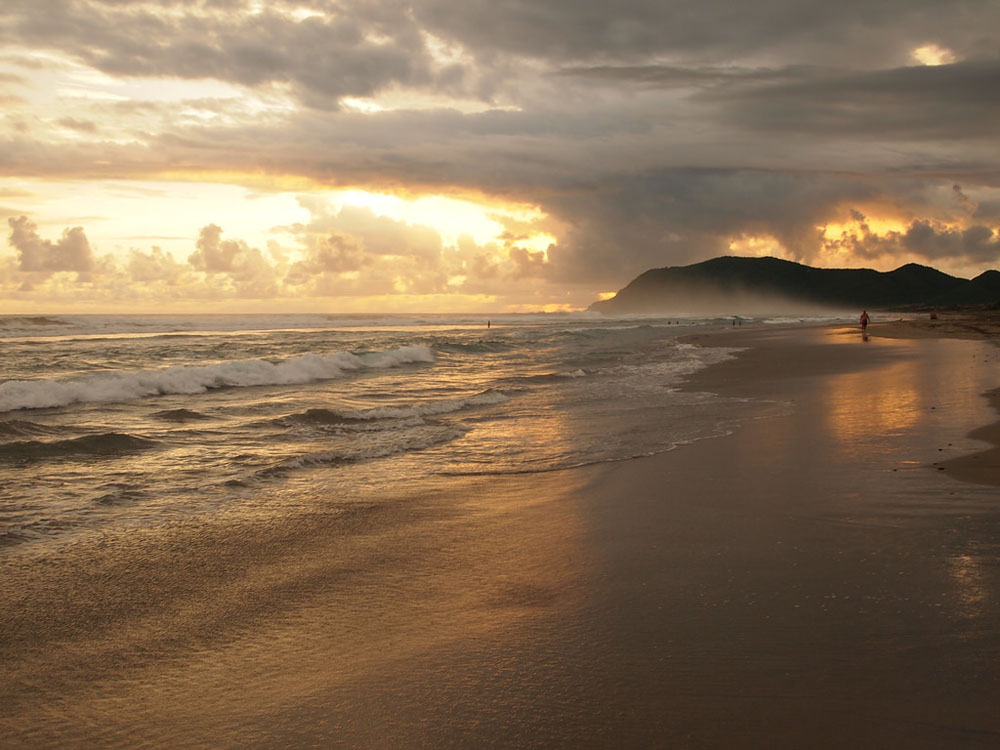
[127, 386]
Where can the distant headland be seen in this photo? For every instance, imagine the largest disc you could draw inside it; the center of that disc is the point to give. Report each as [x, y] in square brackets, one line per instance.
[772, 284]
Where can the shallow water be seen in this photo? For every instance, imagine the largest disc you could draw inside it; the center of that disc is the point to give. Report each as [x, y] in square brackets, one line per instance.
[127, 422]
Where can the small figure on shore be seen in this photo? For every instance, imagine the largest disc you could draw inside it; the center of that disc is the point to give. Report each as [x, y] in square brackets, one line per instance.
[864, 320]
[487, 324]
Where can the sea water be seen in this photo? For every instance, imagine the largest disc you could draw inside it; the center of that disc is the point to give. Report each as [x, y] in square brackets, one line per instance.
[134, 421]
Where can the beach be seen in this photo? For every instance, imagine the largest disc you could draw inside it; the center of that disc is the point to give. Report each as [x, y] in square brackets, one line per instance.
[823, 576]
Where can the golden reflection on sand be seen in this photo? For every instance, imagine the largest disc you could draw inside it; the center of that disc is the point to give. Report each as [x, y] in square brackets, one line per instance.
[865, 406]
[307, 614]
[971, 587]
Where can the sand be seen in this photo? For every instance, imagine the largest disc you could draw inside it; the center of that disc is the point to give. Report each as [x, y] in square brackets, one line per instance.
[982, 466]
[974, 325]
[823, 579]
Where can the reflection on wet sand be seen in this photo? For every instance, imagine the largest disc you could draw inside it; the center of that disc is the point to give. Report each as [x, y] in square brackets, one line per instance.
[870, 409]
[867, 407]
[206, 632]
[971, 584]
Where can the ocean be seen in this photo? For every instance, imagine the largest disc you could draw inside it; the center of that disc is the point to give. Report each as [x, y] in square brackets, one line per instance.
[131, 422]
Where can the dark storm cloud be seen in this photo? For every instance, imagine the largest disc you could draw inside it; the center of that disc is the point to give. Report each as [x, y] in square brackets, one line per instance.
[978, 242]
[669, 217]
[925, 102]
[570, 30]
[673, 76]
[358, 48]
[922, 239]
[350, 50]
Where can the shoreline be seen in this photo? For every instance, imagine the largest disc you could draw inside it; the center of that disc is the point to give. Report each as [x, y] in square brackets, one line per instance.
[815, 579]
[979, 466]
[975, 325]
[983, 466]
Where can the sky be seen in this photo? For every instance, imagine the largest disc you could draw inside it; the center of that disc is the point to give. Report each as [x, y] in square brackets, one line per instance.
[481, 155]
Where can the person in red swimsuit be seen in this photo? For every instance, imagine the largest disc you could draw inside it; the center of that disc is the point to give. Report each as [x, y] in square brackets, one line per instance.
[864, 320]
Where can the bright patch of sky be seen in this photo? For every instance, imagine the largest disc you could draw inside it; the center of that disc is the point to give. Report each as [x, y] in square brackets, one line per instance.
[123, 215]
[932, 54]
[451, 217]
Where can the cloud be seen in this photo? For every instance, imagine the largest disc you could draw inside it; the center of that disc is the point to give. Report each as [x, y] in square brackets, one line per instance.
[334, 254]
[341, 50]
[928, 240]
[569, 30]
[918, 103]
[246, 267]
[672, 217]
[155, 266]
[379, 235]
[351, 250]
[977, 243]
[71, 123]
[70, 253]
[216, 255]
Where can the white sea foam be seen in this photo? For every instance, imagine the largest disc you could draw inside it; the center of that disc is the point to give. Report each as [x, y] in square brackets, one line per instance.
[130, 385]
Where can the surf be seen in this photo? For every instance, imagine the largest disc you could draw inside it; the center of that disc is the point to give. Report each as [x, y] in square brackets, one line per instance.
[122, 386]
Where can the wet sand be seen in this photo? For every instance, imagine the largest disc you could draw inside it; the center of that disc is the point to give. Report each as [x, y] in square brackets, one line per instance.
[982, 466]
[974, 325]
[824, 579]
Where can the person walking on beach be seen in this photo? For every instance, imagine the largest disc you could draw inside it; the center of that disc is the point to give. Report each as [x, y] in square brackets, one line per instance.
[864, 320]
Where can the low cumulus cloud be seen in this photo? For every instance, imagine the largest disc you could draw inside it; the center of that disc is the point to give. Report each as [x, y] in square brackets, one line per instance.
[155, 266]
[70, 253]
[351, 250]
[334, 253]
[244, 267]
[348, 252]
[218, 266]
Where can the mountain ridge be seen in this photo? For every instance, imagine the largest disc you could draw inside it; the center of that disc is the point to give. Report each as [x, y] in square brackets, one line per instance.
[766, 282]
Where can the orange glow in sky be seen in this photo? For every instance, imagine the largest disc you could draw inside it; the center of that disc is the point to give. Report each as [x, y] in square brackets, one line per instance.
[329, 155]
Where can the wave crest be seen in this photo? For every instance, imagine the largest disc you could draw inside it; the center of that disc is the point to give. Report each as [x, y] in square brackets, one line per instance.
[105, 444]
[109, 387]
[410, 414]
